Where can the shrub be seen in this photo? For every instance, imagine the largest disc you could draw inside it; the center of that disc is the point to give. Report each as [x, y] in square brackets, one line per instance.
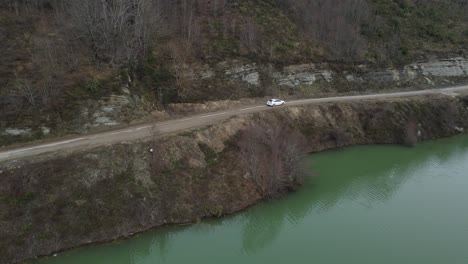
[92, 86]
[411, 133]
[272, 156]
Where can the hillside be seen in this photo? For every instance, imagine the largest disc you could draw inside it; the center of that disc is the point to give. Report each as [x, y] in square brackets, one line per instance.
[59, 201]
[67, 62]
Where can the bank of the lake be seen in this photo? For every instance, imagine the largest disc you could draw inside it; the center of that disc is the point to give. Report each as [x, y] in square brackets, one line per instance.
[369, 204]
[58, 201]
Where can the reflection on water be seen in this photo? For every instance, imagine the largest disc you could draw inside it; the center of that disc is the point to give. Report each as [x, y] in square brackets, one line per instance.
[370, 204]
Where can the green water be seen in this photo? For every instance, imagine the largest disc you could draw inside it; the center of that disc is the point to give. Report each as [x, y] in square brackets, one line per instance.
[371, 204]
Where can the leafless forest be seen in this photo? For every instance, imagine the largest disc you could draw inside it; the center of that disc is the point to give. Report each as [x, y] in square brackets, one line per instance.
[56, 51]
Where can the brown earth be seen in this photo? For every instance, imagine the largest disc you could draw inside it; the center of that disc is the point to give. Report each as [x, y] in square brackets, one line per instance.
[59, 201]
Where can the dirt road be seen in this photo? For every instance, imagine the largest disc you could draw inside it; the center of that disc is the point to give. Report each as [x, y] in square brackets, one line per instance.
[144, 130]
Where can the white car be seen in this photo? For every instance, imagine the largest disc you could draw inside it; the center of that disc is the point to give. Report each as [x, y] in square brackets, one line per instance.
[275, 102]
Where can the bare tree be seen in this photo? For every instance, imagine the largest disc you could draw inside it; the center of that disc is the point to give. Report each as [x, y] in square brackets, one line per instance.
[180, 54]
[272, 156]
[49, 60]
[155, 149]
[118, 30]
[250, 36]
[187, 17]
[333, 22]
[411, 132]
[22, 91]
[218, 7]
[251, 150]
[211, 7]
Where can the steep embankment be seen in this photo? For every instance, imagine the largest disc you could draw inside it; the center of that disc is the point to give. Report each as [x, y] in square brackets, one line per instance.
[61, 78]
[60, 201]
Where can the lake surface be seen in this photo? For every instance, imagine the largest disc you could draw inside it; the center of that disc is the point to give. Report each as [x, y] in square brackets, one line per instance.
[369, 204]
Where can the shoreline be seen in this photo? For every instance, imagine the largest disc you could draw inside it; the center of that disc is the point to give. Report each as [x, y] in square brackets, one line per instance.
[110, 192]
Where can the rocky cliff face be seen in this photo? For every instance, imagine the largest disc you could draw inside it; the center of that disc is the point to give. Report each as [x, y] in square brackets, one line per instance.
[110, 111]
[64, 200]
[437, 72]
[234, 80]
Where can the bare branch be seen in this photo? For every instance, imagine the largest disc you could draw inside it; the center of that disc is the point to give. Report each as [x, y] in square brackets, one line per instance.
[272, 157]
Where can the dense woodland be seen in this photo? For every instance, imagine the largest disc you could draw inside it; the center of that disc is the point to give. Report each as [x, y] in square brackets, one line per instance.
[57, 52]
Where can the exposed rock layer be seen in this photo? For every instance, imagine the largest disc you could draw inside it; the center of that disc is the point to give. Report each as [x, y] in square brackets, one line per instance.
[227, 82]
